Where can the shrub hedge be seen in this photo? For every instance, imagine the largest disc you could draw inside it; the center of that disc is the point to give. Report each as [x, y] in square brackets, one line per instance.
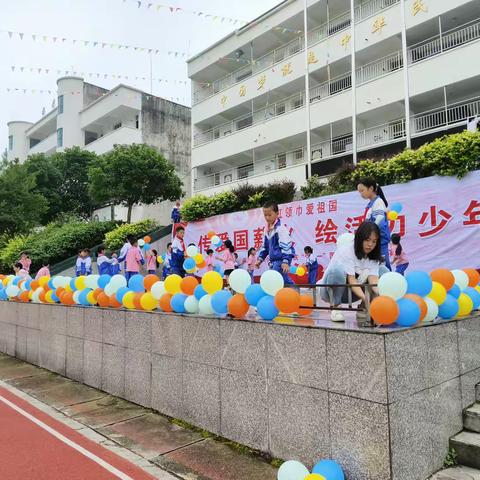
[114, 239]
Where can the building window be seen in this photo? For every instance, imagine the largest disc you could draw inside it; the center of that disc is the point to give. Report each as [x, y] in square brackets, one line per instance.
[60, 137]
[117, 125]
[60, 104]
[10, 142]
[137, 122]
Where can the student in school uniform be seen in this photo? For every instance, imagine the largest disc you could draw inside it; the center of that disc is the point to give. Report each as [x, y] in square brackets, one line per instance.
[251, 261]
[84, 263]
[312, 265]
[178, 252]
[124, 250]
[104, 264]
[176, 215]
[167, 263]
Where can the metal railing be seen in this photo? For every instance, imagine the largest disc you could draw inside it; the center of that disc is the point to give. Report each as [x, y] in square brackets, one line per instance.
[371, 7]
[380, 67]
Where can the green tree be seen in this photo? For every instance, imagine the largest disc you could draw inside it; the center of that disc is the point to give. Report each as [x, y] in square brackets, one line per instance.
[132, 174]
[21, 207]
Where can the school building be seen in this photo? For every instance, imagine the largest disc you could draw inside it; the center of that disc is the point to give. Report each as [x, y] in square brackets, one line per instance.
[382, 74]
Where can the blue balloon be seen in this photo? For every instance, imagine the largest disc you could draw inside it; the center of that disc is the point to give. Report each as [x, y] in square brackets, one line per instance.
[72, 285]
[474, 295]
[54, 297]
[419, 283]
[121, 293]
[455, 291]
[199, 292]
[178, 302]
[104, 280]
[3, 295]
[82, 298]
[146, 247]
[28, 284]
[136, 283]
[220, 301]
[17, 279]
[254, 293]
[293, 269]
[189, 264]
[266, 308]
[396, 207]
[329, 469]
[409, 312]
[449, 308]
[50, 284]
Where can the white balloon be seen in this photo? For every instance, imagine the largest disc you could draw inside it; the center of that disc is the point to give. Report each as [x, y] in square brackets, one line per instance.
[192, 250]
[10, 279]
[191, 304]
[76, 294]
[141, 242]
[461, 279]
[392, 285]
[92, 281]
[432, 310]
[240, 280]
[12, 291]
[117, 282]
[215, 240]
[65, 281]
[271, 282]
[57, 281]
[36, 295]
[205, 305]
[345, 239]
[108, 290]
[158, 290]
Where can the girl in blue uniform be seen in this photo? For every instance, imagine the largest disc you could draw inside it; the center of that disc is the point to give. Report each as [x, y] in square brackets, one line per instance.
[312, 265]
[376, 212]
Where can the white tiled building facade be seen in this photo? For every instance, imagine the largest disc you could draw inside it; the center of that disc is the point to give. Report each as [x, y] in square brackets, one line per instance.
[249, 112]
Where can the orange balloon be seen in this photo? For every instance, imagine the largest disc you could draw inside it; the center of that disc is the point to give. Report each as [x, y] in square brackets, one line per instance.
[201, 265]
[473, 277]
[59, 292]
[287, 300]
[114, 303]
[384, 310]
[149, 280]
[41, 297]
[20, 283]
[210, 234]
[34, 285]
[24, 296]
[67, 298]
[188, 285]
[165, 302]
[103, 300]
[97, 292]
[46, 288]
[306, 301]
[136, 300]
[444, 277]
[147, 239]
[238, 306]
[420, 302]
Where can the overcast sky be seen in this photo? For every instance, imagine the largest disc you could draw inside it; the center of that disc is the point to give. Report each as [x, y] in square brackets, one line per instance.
[110, 21]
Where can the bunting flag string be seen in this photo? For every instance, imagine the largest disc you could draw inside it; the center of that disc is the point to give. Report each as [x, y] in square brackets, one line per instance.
[153, 6]
[59, 40]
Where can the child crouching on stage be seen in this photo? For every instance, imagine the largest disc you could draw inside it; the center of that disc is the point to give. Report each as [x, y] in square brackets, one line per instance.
[398, 257]
[277, 244]
[312, 265]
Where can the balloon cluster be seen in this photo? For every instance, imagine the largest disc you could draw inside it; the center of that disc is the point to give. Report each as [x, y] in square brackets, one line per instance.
[423, 297]
[194, 260]
[215, 240]
[144, 243]
[299, 270]
[395, 211]
[323, 470]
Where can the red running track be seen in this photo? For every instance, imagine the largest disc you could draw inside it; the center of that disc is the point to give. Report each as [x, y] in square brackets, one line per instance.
[34, 446]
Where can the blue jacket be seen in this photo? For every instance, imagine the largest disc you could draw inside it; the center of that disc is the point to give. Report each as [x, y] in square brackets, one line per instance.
[178, 255]
[377, 213]
[277, 245]
[176, 216]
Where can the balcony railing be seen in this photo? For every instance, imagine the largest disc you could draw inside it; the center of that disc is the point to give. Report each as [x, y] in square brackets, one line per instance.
[371, 7]
[394, 131]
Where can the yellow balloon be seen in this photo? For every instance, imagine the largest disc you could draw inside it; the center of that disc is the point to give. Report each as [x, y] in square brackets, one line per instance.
[438, 293]
[198, 258]
[172, 284]
[127, 300]
[68, 288]
[148, 301]
[392, 215]
[91, 299]
[465, 305]
[301, 271]
[477, 288]
[80, 282]
[160, 259]
[314, 476]
[43, 281]
[48, 296]
[212, 282]
[30, 294]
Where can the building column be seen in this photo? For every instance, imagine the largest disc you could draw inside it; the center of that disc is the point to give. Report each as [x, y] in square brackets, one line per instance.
[354, 82]
[406, 80]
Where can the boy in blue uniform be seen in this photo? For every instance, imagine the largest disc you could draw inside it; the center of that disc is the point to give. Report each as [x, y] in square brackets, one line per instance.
[277, 244]
[312, 265]
[178, 252]
[176, 215]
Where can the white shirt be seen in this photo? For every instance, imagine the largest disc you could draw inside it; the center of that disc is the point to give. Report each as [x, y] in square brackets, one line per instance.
[345, 256]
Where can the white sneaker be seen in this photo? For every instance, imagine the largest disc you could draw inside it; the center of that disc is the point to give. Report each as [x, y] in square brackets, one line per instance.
[337, 316]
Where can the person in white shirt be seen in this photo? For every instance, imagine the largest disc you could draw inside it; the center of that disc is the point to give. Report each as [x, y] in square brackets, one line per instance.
[357, 262]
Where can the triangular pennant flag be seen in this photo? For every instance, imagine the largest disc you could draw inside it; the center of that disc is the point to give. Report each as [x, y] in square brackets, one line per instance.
[139, 4]
[47, 70]
[21, 36]
[64, 40]
[95, 44]
[54, 39]
[10, 34]
[21, 69]
[39, 70]
[34, 37]
[149, 5]
[13, 68]
[85, 42]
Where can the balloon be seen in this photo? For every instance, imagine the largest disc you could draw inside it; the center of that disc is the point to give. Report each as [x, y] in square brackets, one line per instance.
[301, 271]
[141, 242]
[438, 293]
[315, 476]
[293, 269]
[253, 294]
[136, 300]
[210, 234]
[92, 281]
[118, 281]
[121, 293]
[238, 307]
[199, 292]
[287, 300]
[455, 291]
[72, 285]
[12, 291]
[80, 282]
[201, 265]
[192, 250]
[198, 259]
[330, 469]
[271, 282]
[421, 304]
[104, 280]
[114, 303]
[465, 305]
[240, 280]
[157, 290]
[67, 298]
[147, 239]
[212, 282]
[474, 295]
[57, 281]
[306, 301]
[149, 281]
[432, 310]
[146, 247]
[220, 300]
[178, 303]
[205, 305]
[103, 300]
[135, 283]
[444, 277]
[461, 279]
[82, 297]
[266, 308]
[189, 264]
[127, 300]
[345, 239]
[473, 277]
[191, 304]
[48, 296]
[188, 285]
[160, 259]
[215, 240]
[392, 215]
[76, 295]
[41, 281]
[165, 302]
[392, 285]
[449, 308]
[24, 296]
[419, 283]
[292, 470]
[409, 313]
[148, 301]
[172, 284]
[384, 310]
[396, 207]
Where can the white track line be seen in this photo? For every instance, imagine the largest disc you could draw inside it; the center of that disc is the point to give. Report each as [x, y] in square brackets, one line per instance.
[67, 441]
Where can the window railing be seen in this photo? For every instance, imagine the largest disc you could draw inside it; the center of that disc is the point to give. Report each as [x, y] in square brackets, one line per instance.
[371, 7]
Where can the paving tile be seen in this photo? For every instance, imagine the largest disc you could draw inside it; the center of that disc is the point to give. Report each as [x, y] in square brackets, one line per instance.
[11, 368]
